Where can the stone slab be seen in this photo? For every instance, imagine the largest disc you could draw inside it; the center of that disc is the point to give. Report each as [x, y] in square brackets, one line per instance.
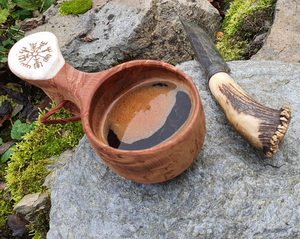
[126, 30]
[231, 191]
[283, 42]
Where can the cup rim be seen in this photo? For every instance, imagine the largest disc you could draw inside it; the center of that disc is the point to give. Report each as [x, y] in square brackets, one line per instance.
[168, 143]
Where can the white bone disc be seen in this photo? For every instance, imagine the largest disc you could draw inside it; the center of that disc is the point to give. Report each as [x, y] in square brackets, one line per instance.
[36, 57]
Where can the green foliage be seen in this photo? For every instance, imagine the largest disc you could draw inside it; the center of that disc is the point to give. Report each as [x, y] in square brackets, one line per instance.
[47, 4]
[28, 4]
[27, 167]
[6, 156]
[41, 223]
[4, 13]
[19, 129]
[75, 7]
[1, 141]
[29, 180]
[3, 98]
[38, 235]
[231, 49]
[236, 36]
[6, 207]
[8, 35]
[240, 10]
[9, 31]
[32, 5]
[21, 14]
[11, 13]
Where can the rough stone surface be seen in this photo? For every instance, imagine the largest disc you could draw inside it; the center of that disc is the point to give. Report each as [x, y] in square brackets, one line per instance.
[31, 203]
[230, 191]
[123, 30]
[17, 225]
[283, 41]
[54, 168]
[66, 28]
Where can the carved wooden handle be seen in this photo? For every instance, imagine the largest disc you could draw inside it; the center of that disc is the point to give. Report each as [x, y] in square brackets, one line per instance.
[36, 57]
[263, 127]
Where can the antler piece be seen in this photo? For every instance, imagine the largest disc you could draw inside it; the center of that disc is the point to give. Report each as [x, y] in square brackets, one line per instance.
[36, 57]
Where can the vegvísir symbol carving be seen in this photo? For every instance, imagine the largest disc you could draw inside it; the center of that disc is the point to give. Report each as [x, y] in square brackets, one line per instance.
[35, 55]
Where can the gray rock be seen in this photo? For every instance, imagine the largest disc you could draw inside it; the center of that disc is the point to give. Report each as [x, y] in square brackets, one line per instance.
[66, 28]
[31, 203]
[17, 225]
[230, 191]
[123, 30]
[58, 163]
[283, 41]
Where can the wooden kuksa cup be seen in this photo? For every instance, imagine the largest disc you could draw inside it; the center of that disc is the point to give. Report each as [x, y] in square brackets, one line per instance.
[37, 60]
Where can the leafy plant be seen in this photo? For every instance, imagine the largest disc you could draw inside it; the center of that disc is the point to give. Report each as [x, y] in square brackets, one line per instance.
[39, 144]
[11, 13]
[27, 168]
[8, 153]
[4, 13]
[40, 5]
[9, 35]
[6, 207]
[19, 129]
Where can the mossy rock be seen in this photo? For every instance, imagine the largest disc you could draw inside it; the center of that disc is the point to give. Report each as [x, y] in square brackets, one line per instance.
[6, 203]
[40, 227]
[27, 169]
[244, 20]
[75, 7]
[6, 206]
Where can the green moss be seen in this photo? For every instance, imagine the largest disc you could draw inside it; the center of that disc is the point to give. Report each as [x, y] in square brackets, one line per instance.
[243, 20]
[6, 207]
[4, 98]
[27, 168]
[6, 204]
[26, 171]
[40, 227]
[231, 49]
[38, 235]
[75, 7]
[27, 180]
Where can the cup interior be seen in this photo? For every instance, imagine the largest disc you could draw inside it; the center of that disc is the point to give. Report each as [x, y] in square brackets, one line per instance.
[124, 78]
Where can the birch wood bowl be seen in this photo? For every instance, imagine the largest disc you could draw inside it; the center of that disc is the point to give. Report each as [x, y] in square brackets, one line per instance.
[37, 60]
